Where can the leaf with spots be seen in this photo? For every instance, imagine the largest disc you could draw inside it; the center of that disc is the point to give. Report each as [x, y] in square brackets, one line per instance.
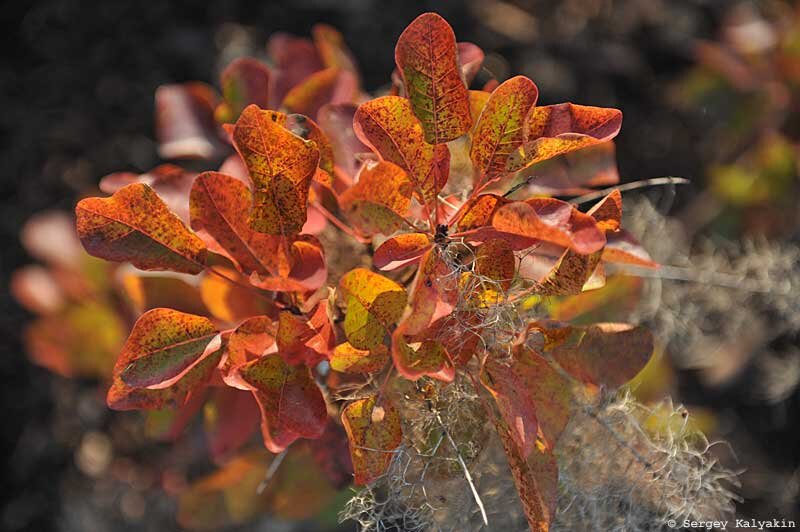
[433, 293]
[414, 359]
[379, 201]
[608, 212]
[218, 207]
[291, 403]
[401, 250]
[245, 81]
[348, 359]
[374, 431]
[550, 220]
[306, 339]
[388, 126]
[135, 225]
[499, 131]
[558, 129]
[426, 55]
[281, 167]
[532, 397]
[253, 338]
[535, 477]
[175, 392]
[163, 344]
[374, 303]
[171, 183]
[570, 274]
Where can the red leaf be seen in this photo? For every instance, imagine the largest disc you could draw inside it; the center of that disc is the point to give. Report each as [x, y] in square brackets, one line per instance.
[185, 124]
[419, 359]
[304, 340]
[532, 397]
[426, 56]
[606, 354]
[295, 59]
[291, 403]
[135, 225]
[330, 452]
[608, 212]
[244, 81]
[401, 250]
[470, 59]
[231, 418]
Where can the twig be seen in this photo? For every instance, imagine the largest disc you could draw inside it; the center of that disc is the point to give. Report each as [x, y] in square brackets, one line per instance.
[655, 181]
[475, 495]
[271, 470]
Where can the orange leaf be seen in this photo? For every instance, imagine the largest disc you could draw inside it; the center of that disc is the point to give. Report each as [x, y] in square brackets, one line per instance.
[281, 167]
[135, 225]
[303, 269]
[550, 220]
[250, 340]
[495, 260]
[332, 85]
[291, 403]
[295, 58]
[499, 132]
[536, 479]
[231, 302]
[374, 431]
[608, 211]
[171, 183]
[426, 55]
[146, 292]
[572, 173]
[332, 49]
[304, 127]
[570, 274]
[433, 293]
[379, 201]
[401, 250]
[556, 129]
[387, 125]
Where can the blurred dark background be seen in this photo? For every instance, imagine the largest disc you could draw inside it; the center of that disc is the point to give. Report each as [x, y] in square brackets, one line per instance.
[77, 83]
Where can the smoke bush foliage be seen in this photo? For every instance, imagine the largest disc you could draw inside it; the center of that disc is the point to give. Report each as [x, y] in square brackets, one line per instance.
[441, 384]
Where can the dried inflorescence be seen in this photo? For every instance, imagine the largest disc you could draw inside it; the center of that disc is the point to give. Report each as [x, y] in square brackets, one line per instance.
[627, 466]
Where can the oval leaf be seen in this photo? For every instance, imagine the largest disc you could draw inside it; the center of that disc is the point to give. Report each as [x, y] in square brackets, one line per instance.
[427, 57]
[134, 225]
[281, 167]
[374, 303]
[374, 431]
